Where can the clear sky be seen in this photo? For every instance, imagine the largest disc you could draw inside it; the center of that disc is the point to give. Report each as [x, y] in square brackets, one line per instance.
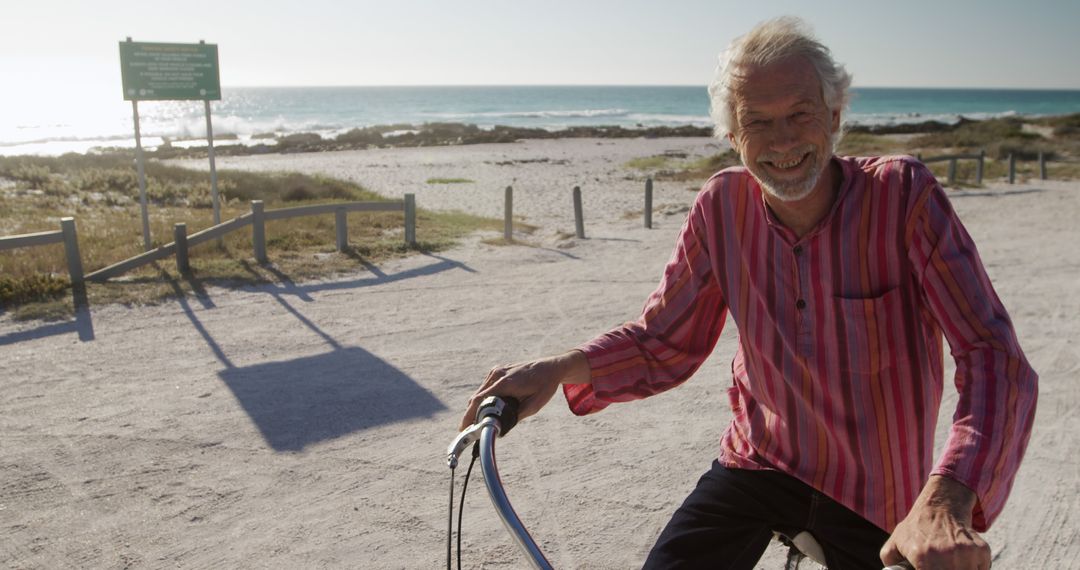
[71, 47]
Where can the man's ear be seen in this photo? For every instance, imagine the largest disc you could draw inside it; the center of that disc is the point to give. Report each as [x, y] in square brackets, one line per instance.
[731, 140]
[835, 120]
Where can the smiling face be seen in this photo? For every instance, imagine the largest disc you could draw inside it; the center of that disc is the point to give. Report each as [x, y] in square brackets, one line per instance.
[783, 129]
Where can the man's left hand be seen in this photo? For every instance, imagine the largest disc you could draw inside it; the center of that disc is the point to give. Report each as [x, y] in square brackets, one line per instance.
[937, 533]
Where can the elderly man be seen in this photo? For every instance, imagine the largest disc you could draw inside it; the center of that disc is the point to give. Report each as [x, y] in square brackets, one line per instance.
[841, 275]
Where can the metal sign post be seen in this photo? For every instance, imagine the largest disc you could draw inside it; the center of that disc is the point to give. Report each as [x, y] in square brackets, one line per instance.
[147, 246]
[213, 169]
[170, 72]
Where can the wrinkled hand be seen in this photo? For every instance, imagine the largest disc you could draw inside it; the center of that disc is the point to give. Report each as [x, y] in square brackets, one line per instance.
[937, 533]
[531, 383]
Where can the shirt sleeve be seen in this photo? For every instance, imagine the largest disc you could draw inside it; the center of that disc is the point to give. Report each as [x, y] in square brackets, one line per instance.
[996, 385]
[677, 330]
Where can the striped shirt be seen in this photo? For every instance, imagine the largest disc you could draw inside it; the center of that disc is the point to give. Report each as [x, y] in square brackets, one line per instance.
[838, 376]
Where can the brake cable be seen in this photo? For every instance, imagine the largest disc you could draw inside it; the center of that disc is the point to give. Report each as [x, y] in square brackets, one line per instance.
[461, 510]
[507, 411]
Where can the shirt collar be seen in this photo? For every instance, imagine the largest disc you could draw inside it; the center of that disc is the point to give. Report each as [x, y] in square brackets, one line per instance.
[846, 166]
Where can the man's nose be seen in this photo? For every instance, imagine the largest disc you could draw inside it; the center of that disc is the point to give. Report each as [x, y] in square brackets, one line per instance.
[784, 136]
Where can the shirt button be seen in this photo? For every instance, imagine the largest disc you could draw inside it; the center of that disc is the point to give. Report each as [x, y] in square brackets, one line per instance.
[797, 250]
[800, 304]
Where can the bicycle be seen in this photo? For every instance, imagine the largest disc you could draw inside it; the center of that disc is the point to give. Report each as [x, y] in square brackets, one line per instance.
[495, 418]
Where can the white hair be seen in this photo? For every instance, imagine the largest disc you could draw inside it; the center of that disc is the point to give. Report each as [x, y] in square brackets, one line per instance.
[770, 42]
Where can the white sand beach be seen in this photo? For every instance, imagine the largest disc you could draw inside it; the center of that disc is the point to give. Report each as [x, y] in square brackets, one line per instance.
[304, 425]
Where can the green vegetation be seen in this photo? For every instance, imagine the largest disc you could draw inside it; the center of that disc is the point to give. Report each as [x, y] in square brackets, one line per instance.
[865, 144]
[658, 162]
[449, 181]
[997, 137]
[101, 193]
[678, 167]
[32, 288]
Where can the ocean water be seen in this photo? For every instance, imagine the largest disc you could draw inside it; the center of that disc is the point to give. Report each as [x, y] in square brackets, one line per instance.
[83, 123]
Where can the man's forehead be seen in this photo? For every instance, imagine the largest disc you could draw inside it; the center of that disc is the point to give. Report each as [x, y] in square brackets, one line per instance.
[792, 80]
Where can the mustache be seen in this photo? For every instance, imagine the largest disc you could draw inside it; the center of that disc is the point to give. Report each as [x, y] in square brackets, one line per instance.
[794, 154]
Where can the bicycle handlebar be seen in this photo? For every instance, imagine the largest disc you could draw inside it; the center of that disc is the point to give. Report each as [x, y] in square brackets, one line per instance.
[496, 417]
[491, 419]
[505, 412]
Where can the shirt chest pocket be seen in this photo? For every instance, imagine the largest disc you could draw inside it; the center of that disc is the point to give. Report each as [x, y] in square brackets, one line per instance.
[863, 331]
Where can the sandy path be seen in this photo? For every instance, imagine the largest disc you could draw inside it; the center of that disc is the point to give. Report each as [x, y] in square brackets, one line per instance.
[305, 425]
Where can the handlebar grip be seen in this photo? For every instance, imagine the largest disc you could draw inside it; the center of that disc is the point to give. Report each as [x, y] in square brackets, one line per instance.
[504, 408]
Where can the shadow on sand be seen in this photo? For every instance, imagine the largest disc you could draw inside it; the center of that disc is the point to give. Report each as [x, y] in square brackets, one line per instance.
[82, 325]
[296, 403]
[299, 402]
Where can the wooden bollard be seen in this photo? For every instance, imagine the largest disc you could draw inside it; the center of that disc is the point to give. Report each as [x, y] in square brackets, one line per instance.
[341, 229]
[979, 167]
[648, 203]
[410, 219]
[508, 214]
[952, 171]
[258, 231]
[183, 265]
[1042, 166]
[579, 220]
[71, 251]
[1012, 168]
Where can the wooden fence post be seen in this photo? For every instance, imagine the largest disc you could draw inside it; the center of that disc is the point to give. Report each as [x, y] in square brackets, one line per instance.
[1012, 168]
[410, 219]
[918, 157]
[579, 220]
[648, 203]
[180, 239]
[952, 171]
[341, 228]
[71, 249]
[508, 214]
[1042, 166]
[979, 168]
[258, 231]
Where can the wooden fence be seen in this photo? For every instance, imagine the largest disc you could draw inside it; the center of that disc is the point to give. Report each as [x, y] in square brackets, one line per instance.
[579, 214]
[182, 242]
[981, 157]
[952, 158]
[66, 235]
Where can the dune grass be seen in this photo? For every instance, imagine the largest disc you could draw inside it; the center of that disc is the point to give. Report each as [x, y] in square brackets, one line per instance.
[101, 193]
[657, 162]
[669, 167]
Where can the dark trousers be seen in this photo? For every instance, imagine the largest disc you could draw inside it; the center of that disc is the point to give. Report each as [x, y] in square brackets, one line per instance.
[728, 521]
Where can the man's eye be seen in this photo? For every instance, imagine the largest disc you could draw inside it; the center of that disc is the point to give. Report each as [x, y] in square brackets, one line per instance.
[802, 116]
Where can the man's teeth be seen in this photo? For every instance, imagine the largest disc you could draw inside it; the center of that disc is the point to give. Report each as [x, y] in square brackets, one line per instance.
[789, 164]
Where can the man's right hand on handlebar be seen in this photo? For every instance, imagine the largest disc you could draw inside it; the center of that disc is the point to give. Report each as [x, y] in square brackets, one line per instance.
[532, 383]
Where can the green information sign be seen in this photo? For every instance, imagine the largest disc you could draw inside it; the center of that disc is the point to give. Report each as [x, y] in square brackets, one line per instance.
[169, 72]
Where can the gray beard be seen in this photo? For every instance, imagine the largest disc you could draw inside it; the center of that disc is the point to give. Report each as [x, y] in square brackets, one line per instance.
[790, 191]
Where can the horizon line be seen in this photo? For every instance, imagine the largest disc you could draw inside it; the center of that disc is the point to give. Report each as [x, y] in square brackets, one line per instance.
[702, 86]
